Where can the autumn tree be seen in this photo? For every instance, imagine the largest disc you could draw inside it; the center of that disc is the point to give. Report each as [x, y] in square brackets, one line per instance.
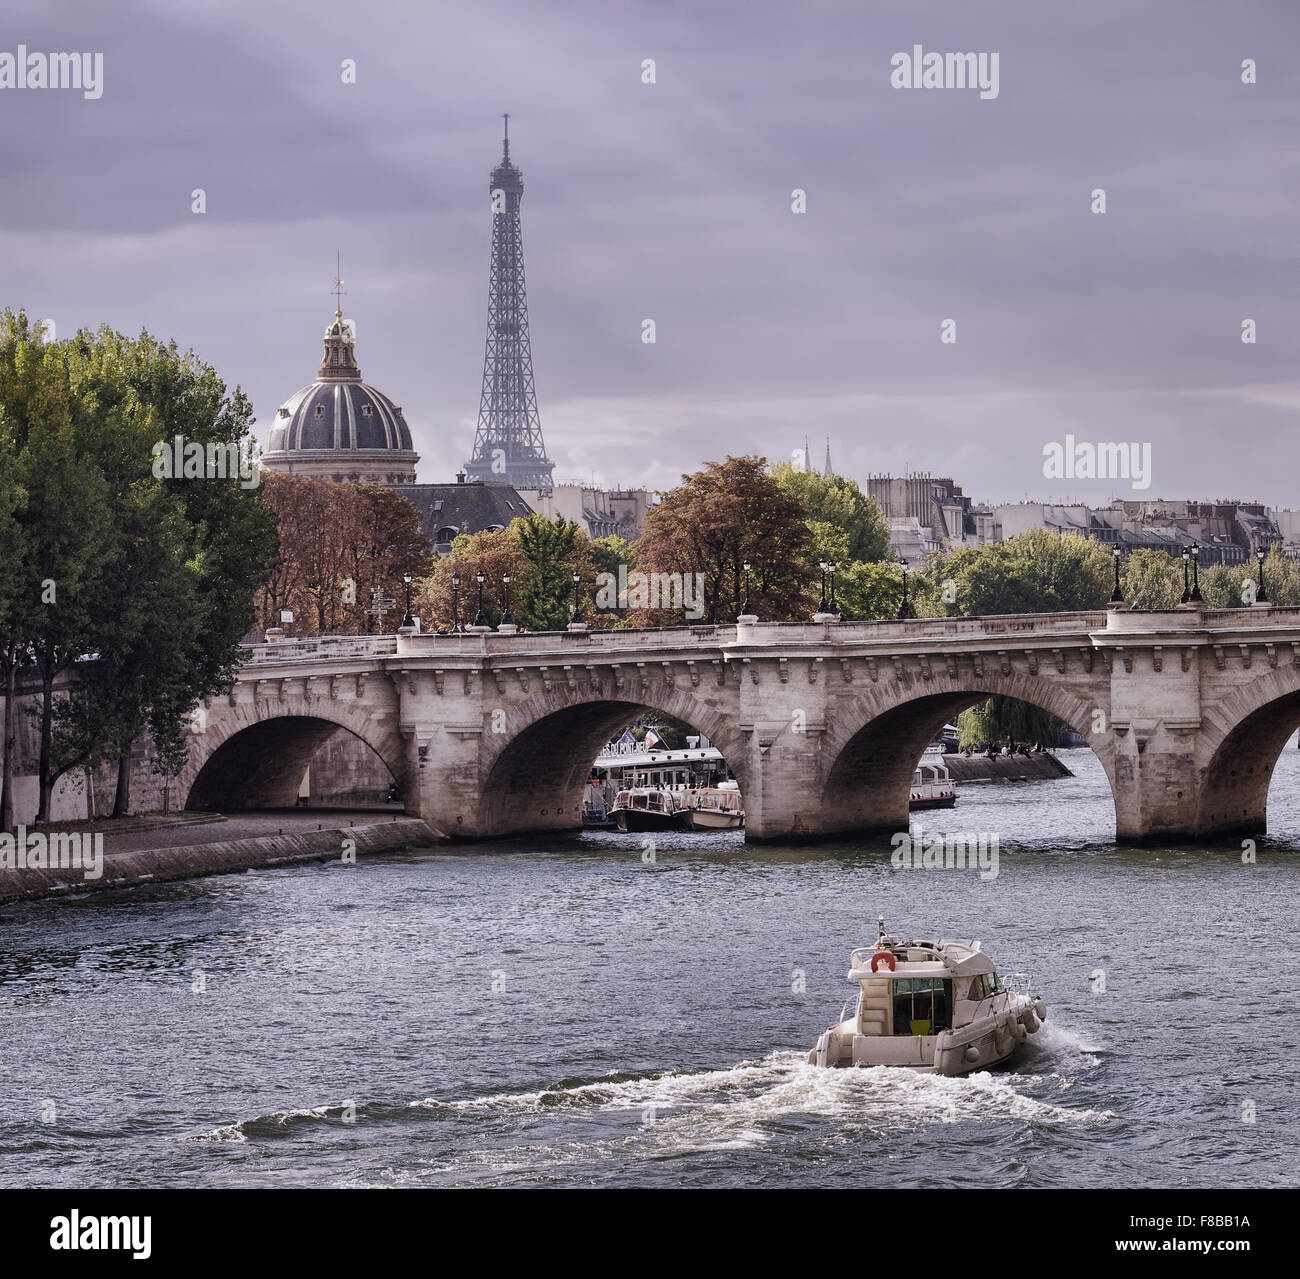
[338, 542]
[721, 517]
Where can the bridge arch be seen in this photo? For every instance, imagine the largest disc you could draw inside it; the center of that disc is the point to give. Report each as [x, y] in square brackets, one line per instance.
[255, 755]
[1244, 733]
[877, 739]
[534, 780]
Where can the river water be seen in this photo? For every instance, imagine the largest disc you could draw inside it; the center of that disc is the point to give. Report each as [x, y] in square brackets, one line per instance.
[571, 1014]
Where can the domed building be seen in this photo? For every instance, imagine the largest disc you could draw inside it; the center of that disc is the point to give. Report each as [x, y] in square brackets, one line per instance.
[339, 427]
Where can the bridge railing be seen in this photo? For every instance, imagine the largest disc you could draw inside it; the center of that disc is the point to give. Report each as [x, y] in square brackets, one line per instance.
[316, 647]
[650, 639]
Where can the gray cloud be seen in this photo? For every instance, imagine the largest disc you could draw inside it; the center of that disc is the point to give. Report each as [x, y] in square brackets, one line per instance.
[672, 202]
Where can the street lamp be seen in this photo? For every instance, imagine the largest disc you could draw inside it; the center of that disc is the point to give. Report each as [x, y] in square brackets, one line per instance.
[821, 604]
[455, 603]
[577, 598]
[744, 608]
[830, 568]
[1261, 595]
[1196, 597]
[408, 620]
[905, 610]
[506, 619]
[1117, 596]
[479, 619]
[1187, 590]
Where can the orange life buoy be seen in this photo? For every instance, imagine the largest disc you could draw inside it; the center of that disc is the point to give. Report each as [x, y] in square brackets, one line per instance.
[883, 957]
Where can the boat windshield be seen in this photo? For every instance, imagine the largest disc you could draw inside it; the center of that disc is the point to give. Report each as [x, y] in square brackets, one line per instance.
[922, 1005]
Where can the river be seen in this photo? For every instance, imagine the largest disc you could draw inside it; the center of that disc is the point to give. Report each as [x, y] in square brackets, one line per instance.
[567, 1013]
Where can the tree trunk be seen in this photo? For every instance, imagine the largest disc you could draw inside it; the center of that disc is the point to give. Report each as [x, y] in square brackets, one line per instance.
[10, 666]
[122, 796]
[47, 739]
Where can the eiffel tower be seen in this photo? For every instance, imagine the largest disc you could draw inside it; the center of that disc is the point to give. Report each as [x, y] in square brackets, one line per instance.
[508, 447]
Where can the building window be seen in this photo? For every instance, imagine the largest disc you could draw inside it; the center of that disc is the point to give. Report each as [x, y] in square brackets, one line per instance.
[320, 410]
[365, 410]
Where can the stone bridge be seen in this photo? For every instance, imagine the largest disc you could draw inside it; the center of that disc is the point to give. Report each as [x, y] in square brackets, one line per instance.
[822, 723]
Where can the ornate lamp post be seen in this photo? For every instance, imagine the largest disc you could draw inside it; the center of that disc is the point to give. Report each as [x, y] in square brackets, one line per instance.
[1187, 590]
[830, 568]
[479, 619]
[821, 604]
[408, 620]
[905, 610]
[1117, 596]
[1196, 597]
[745, 610]
[1261, 595]
[455, 603]
[577, 595]
[506, 619]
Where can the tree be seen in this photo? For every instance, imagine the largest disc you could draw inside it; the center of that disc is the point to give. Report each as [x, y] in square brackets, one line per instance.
[872, 592]
[719, 518]
[494, 553]
[838, 501]
[540, 555]
[66, 528]
[1002, 717]
[1033, 572]
[338, 542]
[1152, 579]
[148, 576]
[550, 551]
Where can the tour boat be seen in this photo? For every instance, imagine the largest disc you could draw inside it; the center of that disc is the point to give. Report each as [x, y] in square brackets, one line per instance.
[647, 808]
[932, 785]
[712, 807]
[934, 1006]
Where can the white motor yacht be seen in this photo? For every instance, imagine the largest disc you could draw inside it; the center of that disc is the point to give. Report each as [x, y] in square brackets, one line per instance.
[935, 1006]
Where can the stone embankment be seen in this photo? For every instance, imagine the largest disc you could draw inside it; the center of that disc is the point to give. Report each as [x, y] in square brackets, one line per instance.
[1005, 768]
[186, 860]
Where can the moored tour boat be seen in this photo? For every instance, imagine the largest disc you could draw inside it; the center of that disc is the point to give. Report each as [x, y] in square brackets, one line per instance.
[932, 784]
[647, 808]
[712, 807]
[934, 1006]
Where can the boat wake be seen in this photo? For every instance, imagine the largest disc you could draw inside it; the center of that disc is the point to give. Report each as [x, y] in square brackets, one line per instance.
[675, 1114]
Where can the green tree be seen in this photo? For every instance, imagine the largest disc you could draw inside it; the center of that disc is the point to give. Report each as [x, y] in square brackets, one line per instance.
[1152, 579]
[840, 503]
[550, 550]
[1033, 572]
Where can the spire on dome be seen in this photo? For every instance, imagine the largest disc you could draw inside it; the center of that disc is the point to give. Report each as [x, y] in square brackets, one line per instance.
[340, 362]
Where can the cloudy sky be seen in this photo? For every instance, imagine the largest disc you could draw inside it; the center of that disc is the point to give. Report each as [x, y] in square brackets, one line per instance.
[672, 201]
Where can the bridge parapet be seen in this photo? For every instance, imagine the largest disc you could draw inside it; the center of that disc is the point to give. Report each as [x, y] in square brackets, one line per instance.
[320, 647]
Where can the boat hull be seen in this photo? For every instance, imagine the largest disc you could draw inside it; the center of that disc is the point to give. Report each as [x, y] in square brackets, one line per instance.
[706, 821]
[981, 1045]
[638, 819]
[937, 801]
